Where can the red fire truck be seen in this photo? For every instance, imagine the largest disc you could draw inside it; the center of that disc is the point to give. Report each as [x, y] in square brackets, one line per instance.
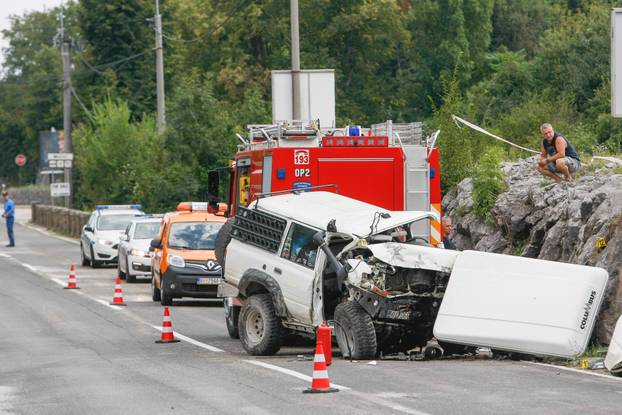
[390, 165]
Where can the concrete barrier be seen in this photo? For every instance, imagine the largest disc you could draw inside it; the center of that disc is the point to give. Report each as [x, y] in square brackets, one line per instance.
[59, 219]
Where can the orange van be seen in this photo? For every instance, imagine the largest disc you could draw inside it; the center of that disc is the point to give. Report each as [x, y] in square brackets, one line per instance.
[183, 263]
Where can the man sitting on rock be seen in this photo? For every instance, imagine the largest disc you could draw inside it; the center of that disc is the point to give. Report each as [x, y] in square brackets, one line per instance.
[557, 155]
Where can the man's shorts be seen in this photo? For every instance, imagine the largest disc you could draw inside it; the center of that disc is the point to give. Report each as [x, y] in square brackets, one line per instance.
[572, 164]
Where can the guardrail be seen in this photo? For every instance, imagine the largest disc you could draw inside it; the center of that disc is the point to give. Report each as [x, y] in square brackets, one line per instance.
[59, 219]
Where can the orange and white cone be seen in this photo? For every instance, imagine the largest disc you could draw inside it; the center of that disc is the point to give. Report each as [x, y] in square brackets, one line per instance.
[320, 382]
[72, 283]
[167, 329]
[118, 293]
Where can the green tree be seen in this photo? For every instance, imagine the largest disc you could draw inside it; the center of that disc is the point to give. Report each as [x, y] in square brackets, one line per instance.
[30, 95]
[117, 42]
[117, 160]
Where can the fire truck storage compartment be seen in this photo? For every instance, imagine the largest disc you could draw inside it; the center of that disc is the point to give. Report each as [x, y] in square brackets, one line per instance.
[258, 228]
[417, 184]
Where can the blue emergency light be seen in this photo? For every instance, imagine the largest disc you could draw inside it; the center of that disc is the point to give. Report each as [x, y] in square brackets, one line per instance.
[101, 207]
[353, 130]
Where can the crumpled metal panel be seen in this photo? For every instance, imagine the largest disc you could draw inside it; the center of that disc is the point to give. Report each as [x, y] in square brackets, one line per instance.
[415, 256]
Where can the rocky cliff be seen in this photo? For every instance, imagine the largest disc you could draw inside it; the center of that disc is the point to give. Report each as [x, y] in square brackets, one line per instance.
[577, 222]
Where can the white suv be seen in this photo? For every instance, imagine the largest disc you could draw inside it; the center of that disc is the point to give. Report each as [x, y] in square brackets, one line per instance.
[296, 260]
[293, 269]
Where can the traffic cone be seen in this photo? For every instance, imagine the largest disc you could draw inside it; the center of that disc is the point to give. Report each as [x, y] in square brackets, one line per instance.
[118, 293]
[72, 284]
[324, 336]
[320, 382]
[167, 329]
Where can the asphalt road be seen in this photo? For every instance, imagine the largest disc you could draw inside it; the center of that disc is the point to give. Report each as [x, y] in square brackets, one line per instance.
[70, 352]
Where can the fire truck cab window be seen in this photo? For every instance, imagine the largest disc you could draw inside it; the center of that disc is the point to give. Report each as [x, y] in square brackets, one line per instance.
[299, 246]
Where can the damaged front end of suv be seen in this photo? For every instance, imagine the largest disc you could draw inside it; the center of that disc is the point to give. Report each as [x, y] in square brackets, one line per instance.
[388, 293]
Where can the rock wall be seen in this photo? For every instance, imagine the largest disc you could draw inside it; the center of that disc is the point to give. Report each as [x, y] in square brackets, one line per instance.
[565, 222]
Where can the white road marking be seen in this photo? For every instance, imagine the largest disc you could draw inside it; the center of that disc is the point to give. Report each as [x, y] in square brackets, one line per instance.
[290, 372]
[6, 396]
[192, 341]
[30, 267]
[4, 255]
[580, 371]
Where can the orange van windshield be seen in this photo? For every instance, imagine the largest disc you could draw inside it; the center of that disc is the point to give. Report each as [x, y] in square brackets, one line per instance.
[193, 235]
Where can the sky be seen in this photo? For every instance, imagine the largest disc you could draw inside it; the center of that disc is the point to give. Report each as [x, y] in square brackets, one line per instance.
[19, 7]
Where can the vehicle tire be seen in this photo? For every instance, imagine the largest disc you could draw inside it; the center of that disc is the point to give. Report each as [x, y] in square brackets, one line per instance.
[94, 263]
[355, 332]
[155, 291]
[165, 299]
[261, 331]
[83, 259]
[232, 316]
[129, 277]
[222, 240]
[121, 274]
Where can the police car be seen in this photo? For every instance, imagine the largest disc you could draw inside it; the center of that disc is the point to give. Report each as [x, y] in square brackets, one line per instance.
[134, 256]
[100, 236]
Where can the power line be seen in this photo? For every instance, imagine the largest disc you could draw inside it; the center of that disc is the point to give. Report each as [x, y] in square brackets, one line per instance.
[75, 94]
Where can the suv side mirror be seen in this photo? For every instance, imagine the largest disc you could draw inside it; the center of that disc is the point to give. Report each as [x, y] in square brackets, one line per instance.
[155, 244]
[124, 237]
[87, 228]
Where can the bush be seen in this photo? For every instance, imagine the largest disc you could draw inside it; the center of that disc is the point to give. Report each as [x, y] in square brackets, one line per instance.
[488, 183]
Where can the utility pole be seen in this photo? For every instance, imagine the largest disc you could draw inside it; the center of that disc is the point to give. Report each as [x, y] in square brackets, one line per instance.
[296, 111]
[65, 44]
[159, 68]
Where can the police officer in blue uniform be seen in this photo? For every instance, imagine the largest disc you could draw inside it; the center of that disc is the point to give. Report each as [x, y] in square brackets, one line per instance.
[9, 215]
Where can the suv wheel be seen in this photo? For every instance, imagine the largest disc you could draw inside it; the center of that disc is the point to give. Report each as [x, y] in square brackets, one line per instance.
[232, 315]
[83, 259]
[261, 332]
[129, 277]
[222, 240]
[355, 331]
[155, 291]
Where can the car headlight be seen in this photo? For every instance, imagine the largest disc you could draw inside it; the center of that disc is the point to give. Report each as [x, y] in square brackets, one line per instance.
[138, 252]
[176, 261]
[104, 242]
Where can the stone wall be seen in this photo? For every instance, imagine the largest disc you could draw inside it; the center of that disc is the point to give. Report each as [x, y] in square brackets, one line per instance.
[59, 219]
[565, 222]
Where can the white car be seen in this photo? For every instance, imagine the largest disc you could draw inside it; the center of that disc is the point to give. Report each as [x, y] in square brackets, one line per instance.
[100, 236]
[296, 260]
[134, 258]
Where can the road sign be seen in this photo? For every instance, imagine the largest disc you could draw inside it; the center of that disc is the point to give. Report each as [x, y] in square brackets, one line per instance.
[60, 156]
[60, 160]
[59, 164]
[20, 160]
[60, 189]
[51, 172]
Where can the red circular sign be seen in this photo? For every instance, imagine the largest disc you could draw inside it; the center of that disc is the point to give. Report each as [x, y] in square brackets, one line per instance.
[20, 160]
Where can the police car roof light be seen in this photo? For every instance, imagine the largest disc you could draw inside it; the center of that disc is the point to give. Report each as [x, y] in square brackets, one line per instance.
[100, 207]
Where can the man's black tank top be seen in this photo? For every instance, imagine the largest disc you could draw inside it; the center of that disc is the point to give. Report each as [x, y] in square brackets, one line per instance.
[550, 148]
